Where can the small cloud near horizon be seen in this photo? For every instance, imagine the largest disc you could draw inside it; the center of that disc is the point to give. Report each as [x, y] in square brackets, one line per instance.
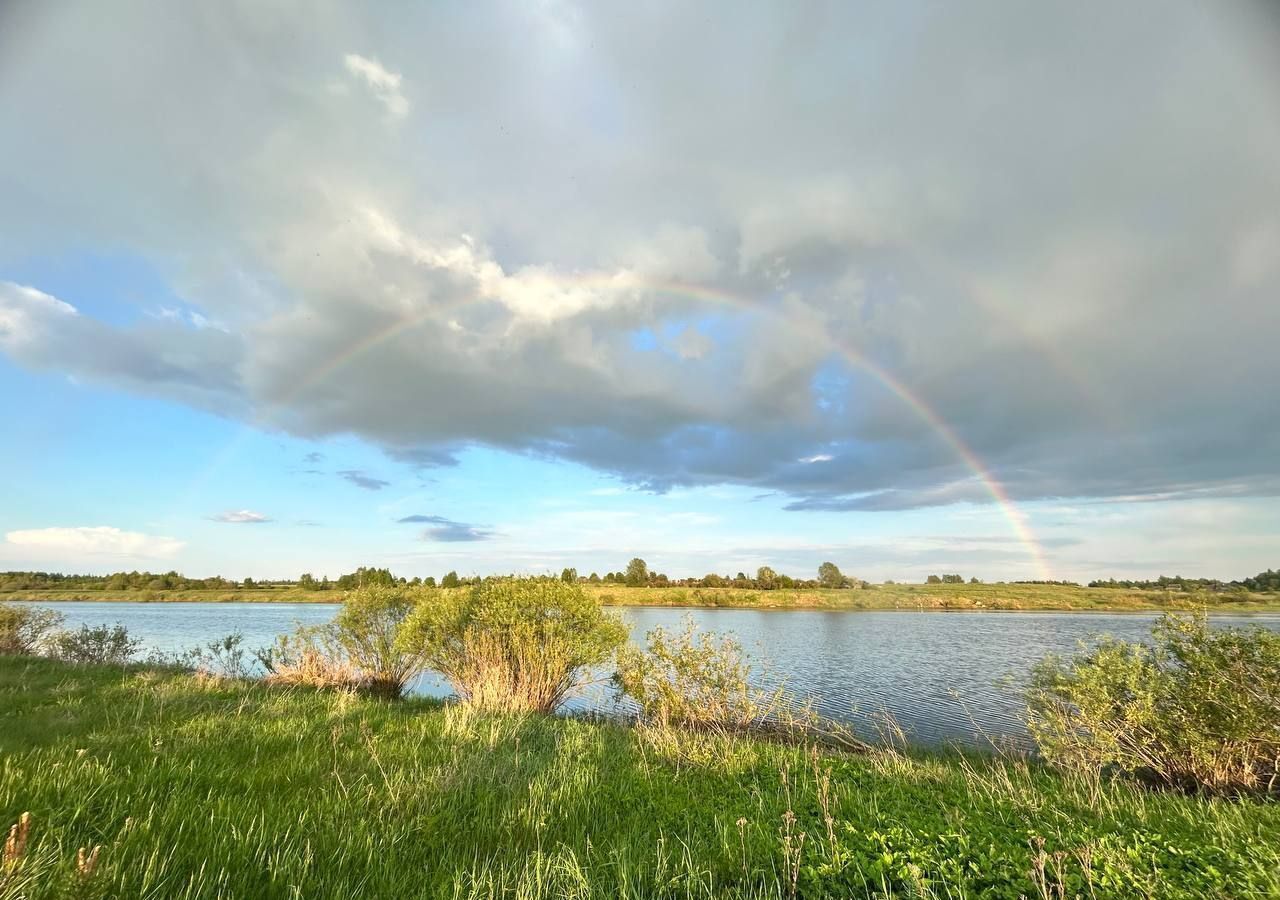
[240, 517]
[447, 530]
[363, 480]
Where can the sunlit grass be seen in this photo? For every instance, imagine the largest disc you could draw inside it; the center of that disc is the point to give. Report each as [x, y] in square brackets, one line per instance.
[198, 787]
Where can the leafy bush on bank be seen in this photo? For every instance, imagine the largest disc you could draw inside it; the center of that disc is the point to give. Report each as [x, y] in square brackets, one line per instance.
[1198, 709]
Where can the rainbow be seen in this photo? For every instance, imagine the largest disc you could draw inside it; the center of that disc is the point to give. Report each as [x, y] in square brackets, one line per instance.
[1017, 520]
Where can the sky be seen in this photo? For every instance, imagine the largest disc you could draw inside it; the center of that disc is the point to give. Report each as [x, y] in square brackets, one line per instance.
[986, 288]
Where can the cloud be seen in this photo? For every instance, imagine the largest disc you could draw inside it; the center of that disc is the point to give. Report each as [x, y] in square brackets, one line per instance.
[240, 517]
[816, 458]
[313, 457]
[101, 540]
[361, 480]
[384, 84]
[447, 530]
[816, 267]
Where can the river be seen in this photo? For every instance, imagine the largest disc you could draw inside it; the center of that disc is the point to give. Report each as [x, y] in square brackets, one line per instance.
[943, 676]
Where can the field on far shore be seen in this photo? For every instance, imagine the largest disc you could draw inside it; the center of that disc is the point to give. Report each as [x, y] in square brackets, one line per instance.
[998, 596]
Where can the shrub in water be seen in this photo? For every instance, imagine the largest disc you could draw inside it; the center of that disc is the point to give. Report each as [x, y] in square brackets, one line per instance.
[25, 630]
[1197, 709]
[513, 644]
[104, 644]
[366, 630]
[692, 677]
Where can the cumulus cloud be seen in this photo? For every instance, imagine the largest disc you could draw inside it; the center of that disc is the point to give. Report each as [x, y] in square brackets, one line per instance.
[240, 517]
[384, 84]
[363, 480]
[102, 540]
[611, 242]
[447, 530]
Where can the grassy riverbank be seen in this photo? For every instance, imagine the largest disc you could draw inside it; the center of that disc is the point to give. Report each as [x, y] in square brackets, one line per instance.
[882, 596]
[199, 789]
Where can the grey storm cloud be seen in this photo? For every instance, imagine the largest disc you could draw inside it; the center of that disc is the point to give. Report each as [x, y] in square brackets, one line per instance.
[362, 480]
[1042, 238]
[447, 530]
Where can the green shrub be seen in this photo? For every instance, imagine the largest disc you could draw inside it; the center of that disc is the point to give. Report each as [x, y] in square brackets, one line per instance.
[692, 678]
[25, 630]
[103, 644]
[1198, 709]
[513, 644]
[221, 658]
[366, 632]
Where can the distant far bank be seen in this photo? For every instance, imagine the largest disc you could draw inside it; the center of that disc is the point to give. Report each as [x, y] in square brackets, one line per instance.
[987, 596]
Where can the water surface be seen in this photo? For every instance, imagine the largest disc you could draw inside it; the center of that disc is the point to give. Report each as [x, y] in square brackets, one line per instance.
[944, 676]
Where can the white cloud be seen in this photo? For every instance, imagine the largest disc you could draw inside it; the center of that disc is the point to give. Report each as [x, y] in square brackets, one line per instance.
[240, 517]
[385, 84]
[817, 458]
[101, 540]
[25, 311]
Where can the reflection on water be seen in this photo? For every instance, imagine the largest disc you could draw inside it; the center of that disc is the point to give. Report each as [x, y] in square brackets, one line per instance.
[943, 676]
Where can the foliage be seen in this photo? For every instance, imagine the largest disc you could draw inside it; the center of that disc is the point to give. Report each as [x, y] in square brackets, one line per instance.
[513, 643]
[25, 630]
[366, 577]
[692, 677]
[222, 658]
[637, 574]
[1199, 709]
[101, 644]
[450, 580]
[830, 576]
[307, 657]
[423, 800]
[365, 631]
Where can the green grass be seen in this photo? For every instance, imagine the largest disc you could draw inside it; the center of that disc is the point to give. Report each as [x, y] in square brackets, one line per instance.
[882, 596]
[218, 789]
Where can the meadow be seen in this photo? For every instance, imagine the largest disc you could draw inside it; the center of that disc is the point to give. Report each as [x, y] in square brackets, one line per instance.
[193, 786]
[997, 595]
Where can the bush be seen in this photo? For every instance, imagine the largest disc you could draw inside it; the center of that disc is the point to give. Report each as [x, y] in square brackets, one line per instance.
[1199, 709]
[306, 658]
[513, 644]
[692, 678]
[366, 630]
[26, 630]
[221, 658]
[104, 644]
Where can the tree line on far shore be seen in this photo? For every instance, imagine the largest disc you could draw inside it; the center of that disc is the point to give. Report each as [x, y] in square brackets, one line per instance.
[636, 574]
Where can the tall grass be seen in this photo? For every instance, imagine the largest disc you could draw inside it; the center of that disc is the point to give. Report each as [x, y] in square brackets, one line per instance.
[199, 788]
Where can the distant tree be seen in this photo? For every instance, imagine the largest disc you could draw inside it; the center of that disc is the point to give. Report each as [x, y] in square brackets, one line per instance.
[450, 580]
[712, 580]
[974, 580]
[637, 573]
[933, 579]
[569, 576]
[953, 579]
[248, 582]
[830, 576]
[766, 578]
[594, 578]
[429, 581]
[307, 580]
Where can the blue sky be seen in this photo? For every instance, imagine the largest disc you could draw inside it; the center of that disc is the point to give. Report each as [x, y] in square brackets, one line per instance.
[591, 290]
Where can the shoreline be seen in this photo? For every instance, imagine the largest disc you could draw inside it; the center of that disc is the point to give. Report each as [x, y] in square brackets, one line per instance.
[1254, 607]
